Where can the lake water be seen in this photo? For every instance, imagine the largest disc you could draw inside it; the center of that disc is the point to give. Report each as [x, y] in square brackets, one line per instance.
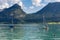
[30, 32]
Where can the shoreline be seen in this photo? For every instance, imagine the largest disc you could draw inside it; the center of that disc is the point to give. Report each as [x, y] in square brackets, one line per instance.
[33, 23]
[53, 22]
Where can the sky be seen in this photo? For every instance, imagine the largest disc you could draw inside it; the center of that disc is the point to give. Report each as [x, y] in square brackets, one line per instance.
[29, 6]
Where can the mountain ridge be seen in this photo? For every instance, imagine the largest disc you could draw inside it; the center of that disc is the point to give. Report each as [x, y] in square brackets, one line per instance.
[10, 14]
[51, 13]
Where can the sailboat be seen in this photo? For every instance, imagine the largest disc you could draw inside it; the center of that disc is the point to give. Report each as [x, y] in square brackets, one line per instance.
[12, 25]
[45, 23]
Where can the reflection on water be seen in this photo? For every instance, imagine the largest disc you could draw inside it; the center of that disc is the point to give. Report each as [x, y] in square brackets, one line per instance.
[30, 32]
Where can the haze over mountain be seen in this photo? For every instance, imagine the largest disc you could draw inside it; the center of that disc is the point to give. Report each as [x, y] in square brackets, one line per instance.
[15, 14]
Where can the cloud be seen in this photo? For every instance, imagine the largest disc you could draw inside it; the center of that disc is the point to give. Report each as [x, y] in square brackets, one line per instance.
[31, 7]
[21, 4]
[13, 1]
[36, 2]
[47, 1]
[57, 0]
[16, 1]
[3, 4]
[8, 3]
[41, 2]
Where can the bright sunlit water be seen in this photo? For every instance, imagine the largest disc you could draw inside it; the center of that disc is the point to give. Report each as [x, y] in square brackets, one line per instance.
[30, 32]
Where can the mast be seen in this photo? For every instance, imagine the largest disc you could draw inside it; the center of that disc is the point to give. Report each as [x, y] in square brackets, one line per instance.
[45, 23]
[12, 23]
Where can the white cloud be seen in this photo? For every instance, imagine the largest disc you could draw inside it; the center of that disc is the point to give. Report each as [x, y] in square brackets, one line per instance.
[13, 1]
[21, 4]
[16, 1]
[4, 4]
[51, 1]
[36, 2]
[39, 2]
[31, 7]
[8, 3]
[57, 0]
[47, 0]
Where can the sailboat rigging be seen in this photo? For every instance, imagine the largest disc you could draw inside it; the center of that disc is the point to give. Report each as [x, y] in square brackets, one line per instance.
[45, 23]
[12, 23]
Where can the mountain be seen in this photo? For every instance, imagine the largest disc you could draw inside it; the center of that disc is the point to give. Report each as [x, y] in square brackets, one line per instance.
[11, 15]
[15, 15]
[51, 12]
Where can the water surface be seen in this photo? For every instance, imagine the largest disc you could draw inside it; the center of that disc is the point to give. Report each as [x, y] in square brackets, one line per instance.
[30, 32]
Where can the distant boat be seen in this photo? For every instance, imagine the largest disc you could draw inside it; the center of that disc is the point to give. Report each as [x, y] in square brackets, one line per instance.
[46, 27]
